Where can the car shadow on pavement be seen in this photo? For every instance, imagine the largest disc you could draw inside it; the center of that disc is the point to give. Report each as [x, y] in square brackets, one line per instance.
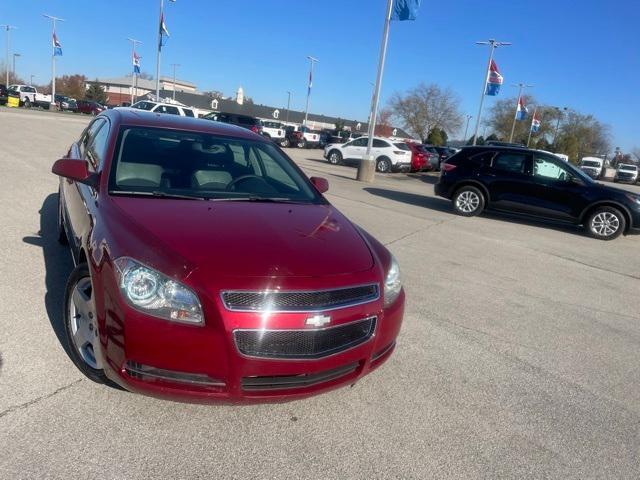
[433, 203]
[57, 261]
[430, 179]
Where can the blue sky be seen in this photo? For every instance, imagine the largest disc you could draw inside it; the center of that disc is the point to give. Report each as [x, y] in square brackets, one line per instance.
[584, 55]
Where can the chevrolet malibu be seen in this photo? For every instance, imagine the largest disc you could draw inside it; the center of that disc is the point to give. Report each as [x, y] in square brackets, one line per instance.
[209, 268]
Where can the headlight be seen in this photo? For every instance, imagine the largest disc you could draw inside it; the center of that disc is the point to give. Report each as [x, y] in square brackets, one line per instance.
[392, 283]
[153, 293]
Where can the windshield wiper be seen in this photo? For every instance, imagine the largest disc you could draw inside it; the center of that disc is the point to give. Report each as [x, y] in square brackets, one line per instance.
[158, 194]
[255, 198]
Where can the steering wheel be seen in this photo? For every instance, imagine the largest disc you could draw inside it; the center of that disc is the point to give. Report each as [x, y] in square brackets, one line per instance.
[242, 178]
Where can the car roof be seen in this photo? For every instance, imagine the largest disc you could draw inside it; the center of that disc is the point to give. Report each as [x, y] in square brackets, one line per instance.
[142, 118]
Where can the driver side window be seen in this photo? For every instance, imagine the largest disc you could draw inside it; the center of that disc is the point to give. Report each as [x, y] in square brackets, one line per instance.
[545, 168]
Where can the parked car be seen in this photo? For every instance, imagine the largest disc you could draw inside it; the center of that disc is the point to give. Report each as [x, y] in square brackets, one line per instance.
[273, 131]
[626, 173]
[214, 269]
[89, 107]
[29, 96]
[434, 158]
[65, 103]
[388, 156]
[419, 157]
[537, 184]
[443, 154]
[3, 94]
[244, 121]
[159, 107]
[292, 137]
[593, 166]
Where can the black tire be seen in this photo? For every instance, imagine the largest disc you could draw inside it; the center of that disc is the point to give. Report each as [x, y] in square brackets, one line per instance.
[62, 234]
[285, 143]
[606, 223]
[302, 143]
[383, 165]
[468, 201]
[27, 102]
[335, 157]
[80, 273]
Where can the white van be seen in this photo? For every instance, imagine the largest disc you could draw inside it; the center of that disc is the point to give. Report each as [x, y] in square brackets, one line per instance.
[593, 166]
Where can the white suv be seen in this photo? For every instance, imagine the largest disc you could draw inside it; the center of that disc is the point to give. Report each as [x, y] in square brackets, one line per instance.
[389, 156]
[158, 107]
[273, 130]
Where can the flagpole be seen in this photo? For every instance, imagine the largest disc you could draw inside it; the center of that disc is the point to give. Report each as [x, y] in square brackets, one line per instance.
[306, 110]
[493, 44]
[161, 19]
[515, 116]
[53, 59]
[535, 110]
[366, 168]
[134, 42]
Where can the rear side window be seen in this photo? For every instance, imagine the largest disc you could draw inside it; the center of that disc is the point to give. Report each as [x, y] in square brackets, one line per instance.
[510, 162]
[187, 112]
[402, 146]
[379, 143]
[483, 158]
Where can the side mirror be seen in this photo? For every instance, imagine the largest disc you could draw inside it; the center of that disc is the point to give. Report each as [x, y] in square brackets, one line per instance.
[75, 170]
[321, 184]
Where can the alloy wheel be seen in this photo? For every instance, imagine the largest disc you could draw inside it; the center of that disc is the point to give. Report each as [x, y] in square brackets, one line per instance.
[605, 224]
[468, 201]
[82, 323]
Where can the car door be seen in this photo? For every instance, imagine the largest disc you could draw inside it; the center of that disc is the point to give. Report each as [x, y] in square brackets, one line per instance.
[80, 199]
[557, 193]
[509, 181]
[355, 150]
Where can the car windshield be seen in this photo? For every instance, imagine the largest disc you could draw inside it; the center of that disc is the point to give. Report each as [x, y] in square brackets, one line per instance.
[628, 168]
[164, 163]
[590, 163]
[402, 146]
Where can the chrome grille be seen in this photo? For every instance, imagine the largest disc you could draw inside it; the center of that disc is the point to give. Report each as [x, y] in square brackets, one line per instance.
[299, 301]
[304, 344]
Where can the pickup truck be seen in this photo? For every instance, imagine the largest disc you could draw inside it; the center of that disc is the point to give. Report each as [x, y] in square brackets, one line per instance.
[29, 96]
[593, 166]
[273, 130]
[301, 137]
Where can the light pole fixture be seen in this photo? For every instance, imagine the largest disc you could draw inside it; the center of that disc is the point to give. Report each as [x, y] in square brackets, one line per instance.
[466, 128]
[8, 29]
[53, 57]
[312, 62]
[31, 82]
[14, 65]
[134, 75]
[521, 86]
[560, 113]
[288, 106]
[174, 65]
[493, 44]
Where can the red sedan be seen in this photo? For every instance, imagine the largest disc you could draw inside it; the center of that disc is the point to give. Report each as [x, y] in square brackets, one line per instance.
[419, 158]
[209, 268]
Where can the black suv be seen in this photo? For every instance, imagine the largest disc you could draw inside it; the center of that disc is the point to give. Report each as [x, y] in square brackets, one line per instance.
[244, 121]
[537, 184]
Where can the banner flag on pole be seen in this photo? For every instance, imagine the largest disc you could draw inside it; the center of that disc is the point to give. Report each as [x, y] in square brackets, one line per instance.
[495, 80]
[521, 111]
[164, 33]
[310, 82]
[57, 46]
[405, 9]
[535, 123]
[136, 63]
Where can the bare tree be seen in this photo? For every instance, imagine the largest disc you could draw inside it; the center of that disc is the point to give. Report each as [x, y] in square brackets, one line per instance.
[426, 107]
[636, 153]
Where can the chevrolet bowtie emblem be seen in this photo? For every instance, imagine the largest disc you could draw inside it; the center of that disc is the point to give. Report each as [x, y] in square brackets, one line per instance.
[318, 320]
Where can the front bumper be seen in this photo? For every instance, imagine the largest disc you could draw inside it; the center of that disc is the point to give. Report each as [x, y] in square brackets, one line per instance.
[401, 167]
[205, 366]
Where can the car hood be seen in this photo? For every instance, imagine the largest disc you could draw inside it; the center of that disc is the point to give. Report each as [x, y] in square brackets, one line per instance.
[251, 238]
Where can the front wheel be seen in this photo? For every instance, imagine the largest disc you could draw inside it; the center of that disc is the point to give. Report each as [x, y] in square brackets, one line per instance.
[606, 223]
[383, 165]
[81, 325]
[302, 143]
[335, 157]
[285, 143]
[468, 201]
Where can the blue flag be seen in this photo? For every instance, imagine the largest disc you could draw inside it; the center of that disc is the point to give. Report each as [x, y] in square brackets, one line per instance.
[405, 9]
[57, 46]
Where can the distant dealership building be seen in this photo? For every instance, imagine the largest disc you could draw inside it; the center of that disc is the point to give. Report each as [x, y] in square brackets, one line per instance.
[119, 89]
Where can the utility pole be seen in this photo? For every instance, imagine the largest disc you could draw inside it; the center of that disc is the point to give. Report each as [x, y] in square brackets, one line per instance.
[8, 29]
[134, 75]
[367, 168]
[174, 65]
[466, 129]
[53, 59]
[493, 44]
[312, 61]
[31, 82]
[14, 64]
[521, 86]
[288, 106]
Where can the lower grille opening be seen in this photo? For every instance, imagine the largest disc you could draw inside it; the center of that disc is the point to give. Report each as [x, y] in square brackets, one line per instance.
[297, 381]
[301, 344]
[381, 353]
[147, 373]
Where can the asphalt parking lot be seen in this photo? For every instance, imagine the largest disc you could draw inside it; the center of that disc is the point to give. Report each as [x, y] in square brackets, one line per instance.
[518, 356]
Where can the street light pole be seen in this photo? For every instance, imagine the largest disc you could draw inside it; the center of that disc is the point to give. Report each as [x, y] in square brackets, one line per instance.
[134, 76]
[31, 82]
[555, 136]
[8, 28]
[14, 64]
[469, 117]
[288, 106]
[174, 65]
[521, 86]
[493, 45]
[53, 58]
[312, 61]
